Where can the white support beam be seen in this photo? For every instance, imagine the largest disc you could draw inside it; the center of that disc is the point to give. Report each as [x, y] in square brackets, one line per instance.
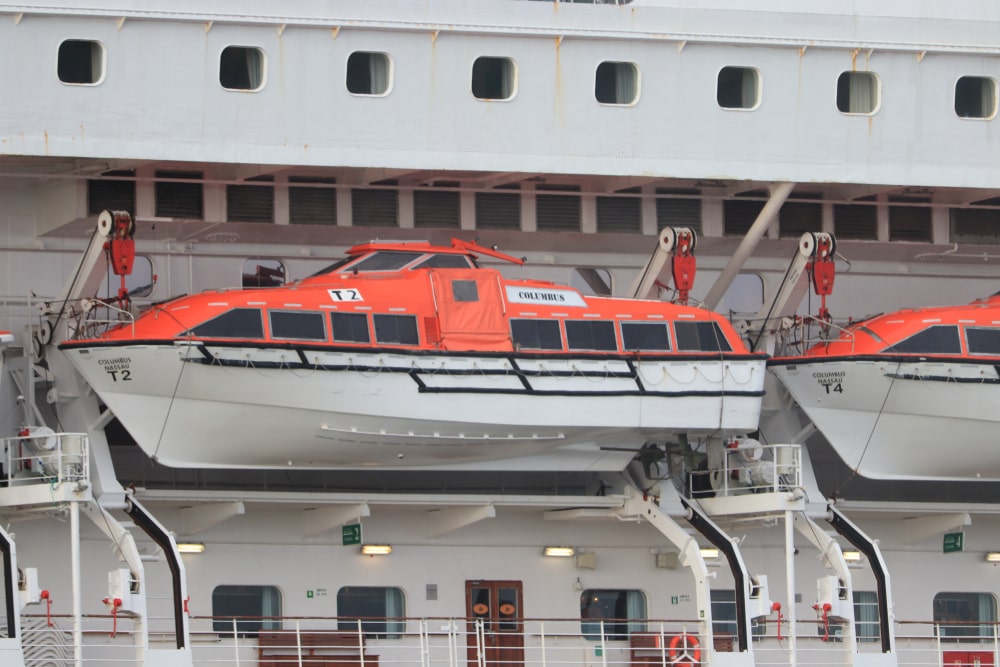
[449, 520]
[200, 517]
[321, 520]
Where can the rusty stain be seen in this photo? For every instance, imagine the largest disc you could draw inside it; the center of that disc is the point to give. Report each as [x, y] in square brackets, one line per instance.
[121, 22]
[334, 31]
[305, 147]
[82, 135]
[920, 56]
[46, 143]
[18, 17]
[434, 36]
[802, 51]
[281, 29]
[558, 99]
[208, 26]
[854, 60]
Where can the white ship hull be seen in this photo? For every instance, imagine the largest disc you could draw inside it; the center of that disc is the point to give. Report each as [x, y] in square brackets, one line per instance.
[891, 420]
[215, 406]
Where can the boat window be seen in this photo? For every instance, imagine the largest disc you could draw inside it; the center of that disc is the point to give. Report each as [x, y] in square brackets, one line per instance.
[297, 325]
[983, 341]
[942, 339]
[858, 92]
[236, 323]
[254, 608]
[645, 336]
[622, 612]
[738, 88]
[385, 261]
[494, 78]
[263, 273]
[616, 83]
[445, 262]
[464, 290]
[80, 62]
[536, 334]
[979, 610]
[369, 73]
[350, 327]
[590, 335]
[701, 337]
[396, 329]
[382, 611]
[242, 68]
[866, 616]
[976, 97]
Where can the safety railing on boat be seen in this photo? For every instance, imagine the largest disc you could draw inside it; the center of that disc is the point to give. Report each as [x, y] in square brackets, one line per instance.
[796, 335]
[751, 467]
[41, 456]
[479, 642]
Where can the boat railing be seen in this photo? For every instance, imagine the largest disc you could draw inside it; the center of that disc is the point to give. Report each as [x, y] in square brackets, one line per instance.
[796, 335]
[276, 641]
[751, 467]
[40, 456]
[93, 317]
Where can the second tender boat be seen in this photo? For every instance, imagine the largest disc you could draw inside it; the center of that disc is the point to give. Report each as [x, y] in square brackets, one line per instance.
[412, 355]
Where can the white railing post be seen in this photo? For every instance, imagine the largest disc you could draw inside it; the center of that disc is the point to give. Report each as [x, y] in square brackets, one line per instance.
[298, 643]
[663, 647]
[236, 643]
[541, 633]
[361, 641]
[480, 643]
[604, 646]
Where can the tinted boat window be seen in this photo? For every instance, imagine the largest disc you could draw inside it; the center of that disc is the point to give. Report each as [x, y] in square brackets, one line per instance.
[645, 336]
[591, 335]
[350, 327]
[932, 340]
[385, 261]
[444, 262]
[700, 337]
[536, 334]
[298, 325]
[236, 323]
[983, 341]
[396, 329]
[464, 290]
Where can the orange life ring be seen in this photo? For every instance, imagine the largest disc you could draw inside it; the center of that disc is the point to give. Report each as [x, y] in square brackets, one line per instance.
[688, 645]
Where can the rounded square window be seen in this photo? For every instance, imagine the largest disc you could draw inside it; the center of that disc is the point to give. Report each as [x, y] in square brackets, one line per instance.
[976, 97]
[494, 78]
[738, 88]
[369, 73]
[80, 62]
[858, 92]
[617, 83]
[242, 68]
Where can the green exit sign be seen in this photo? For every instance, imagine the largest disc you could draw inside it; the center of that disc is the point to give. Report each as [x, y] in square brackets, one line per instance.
[954, 542]
[351, 534]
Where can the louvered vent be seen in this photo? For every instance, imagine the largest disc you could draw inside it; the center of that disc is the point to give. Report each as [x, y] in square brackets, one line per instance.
[498, 210]
[180, 194]
[620, 214]
[798, 217]
[252, 201]
[677, 210]
[436, 209]
[557, 213]
[909, 223]
[375, 208]
[855, 222]
[432, 330]
[312, 200]
[111, 195]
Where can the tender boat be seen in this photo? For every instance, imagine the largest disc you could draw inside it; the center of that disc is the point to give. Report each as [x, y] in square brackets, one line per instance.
[908, 395]
[411, 355]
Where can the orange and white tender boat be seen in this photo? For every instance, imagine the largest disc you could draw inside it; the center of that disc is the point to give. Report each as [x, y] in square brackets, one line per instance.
[909, 395]
[411, 355]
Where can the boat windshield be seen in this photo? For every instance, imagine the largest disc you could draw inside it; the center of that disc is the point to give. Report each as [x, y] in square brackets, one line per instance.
[333, 267]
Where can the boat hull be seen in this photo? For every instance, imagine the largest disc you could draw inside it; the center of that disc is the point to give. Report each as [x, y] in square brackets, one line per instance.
[903, 419]
[202, 405]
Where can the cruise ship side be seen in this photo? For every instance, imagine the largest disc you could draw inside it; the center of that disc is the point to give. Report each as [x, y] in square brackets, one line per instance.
[650, 345]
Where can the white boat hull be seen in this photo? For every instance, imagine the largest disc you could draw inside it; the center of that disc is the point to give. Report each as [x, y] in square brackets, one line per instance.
[222, 406]
[919, 420]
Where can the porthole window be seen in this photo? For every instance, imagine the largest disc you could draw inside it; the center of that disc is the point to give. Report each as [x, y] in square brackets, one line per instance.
[617, 83]
[858, 93]
[369, 73]
[242, 68]
[81, 62]
[494, 78]
[263, 273]
[738, 88]
[976, 97]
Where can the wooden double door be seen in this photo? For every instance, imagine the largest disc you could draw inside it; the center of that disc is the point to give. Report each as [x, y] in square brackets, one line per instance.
[496, 623]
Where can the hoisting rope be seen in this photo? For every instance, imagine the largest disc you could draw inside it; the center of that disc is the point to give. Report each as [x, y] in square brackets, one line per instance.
[48, 607]
[114, 604]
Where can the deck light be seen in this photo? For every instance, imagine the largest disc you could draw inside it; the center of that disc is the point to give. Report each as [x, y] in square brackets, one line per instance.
[993, 557]
[559, 552]
[376, 549]
[852, 556]
[190, 547]
[709, 553]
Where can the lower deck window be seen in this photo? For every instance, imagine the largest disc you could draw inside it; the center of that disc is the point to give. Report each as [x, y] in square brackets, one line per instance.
[701, 337]
[236, 323]
[965, 615]
[983, 341]
[932, 340]
[380, 610]
[396, 329]
[536, 334]
[290, 324]
[247, 609]
[591, 335]
[619, 612]
[645, 336]
[350, 327]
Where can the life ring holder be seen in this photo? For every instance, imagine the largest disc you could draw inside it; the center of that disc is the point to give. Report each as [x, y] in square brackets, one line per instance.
[684, 646]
